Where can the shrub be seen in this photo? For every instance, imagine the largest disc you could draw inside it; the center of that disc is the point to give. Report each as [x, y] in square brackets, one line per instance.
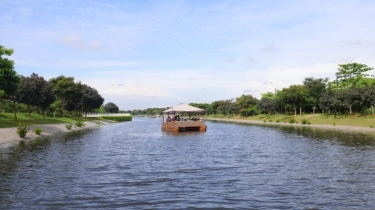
[38, 130]
[270, 120]
[304, 121]
[277, 120]
[264, 121]
[371, 126]
[334, 123]
[79, 124]
[98, 123]
[22, 130]
[68, 126]
[292, 121]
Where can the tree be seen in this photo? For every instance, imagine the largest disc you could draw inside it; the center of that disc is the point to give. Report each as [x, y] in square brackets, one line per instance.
[369, 94]
[48, 98]
[35, 91]
[203, 106]
[214, 105]
[315, 88]
[64, 89]
[362, 98]
[55, 106]
[100, 110]
[267, 105]
[225, 106]
[328, 100]
[74, 102]
[9, 79]
[111, 108]
[2, 102]
[245, 104]
[91, 99]
[350, 74]
[270, 95]
[295, 96]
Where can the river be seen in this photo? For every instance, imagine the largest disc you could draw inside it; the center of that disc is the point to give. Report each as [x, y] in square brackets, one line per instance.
[135, 165]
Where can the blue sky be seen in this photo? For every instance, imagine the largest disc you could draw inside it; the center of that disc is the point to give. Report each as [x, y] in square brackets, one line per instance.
[141, 54]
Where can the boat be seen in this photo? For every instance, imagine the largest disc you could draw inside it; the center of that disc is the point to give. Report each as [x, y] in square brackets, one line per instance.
[183, 117]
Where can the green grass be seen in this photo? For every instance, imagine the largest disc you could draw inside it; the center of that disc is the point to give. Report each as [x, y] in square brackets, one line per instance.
[117, 118]
[317, 119]
[7, 120]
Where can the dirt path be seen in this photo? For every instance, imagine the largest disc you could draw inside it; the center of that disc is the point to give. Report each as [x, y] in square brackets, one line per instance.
[8, 135]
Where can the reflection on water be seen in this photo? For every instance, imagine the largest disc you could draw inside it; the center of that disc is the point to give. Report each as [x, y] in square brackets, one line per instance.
[135, 165]
[347, 138]
[183, 133]
[353, 139]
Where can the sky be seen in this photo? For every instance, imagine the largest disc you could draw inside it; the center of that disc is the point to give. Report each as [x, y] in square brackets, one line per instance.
[159, 53]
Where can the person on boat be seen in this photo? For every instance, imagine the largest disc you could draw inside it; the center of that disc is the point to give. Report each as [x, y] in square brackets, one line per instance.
[169, 119]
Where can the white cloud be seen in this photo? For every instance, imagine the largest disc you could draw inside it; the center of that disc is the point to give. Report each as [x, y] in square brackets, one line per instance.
[270, 49]
[77, 42]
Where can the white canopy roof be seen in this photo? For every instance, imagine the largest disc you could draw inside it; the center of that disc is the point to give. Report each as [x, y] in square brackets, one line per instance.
[183, 108]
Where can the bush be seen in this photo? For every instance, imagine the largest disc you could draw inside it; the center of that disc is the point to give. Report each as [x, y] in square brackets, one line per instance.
[270, 120]
[68, 126]
[334, 123]
[304, 121]
[277, 120]
[22, 130]
[264, 121]
[38, 130]
[291, 121]
[98, 123]
[371, 126]
[79, 124]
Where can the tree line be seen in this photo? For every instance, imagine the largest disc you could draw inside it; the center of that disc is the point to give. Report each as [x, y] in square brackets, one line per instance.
[148, 111]
[352, 91]
[60, 94]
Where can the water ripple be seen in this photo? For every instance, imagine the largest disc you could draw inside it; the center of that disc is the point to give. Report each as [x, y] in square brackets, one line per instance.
[135, 165]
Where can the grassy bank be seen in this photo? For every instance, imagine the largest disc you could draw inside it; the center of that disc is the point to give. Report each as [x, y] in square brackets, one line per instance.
[117, 118]
[7, 120]
[317, 119]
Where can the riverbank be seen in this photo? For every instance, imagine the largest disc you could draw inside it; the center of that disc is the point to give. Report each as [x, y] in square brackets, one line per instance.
[321, 126]
[8, 135]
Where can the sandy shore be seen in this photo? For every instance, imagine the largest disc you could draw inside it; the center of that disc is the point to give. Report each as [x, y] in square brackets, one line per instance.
[337, 127]
[8, 135]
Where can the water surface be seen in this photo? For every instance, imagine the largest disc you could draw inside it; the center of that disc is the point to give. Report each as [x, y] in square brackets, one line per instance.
[135, 165]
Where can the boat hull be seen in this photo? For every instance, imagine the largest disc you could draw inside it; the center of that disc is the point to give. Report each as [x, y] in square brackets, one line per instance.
[184, 126]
